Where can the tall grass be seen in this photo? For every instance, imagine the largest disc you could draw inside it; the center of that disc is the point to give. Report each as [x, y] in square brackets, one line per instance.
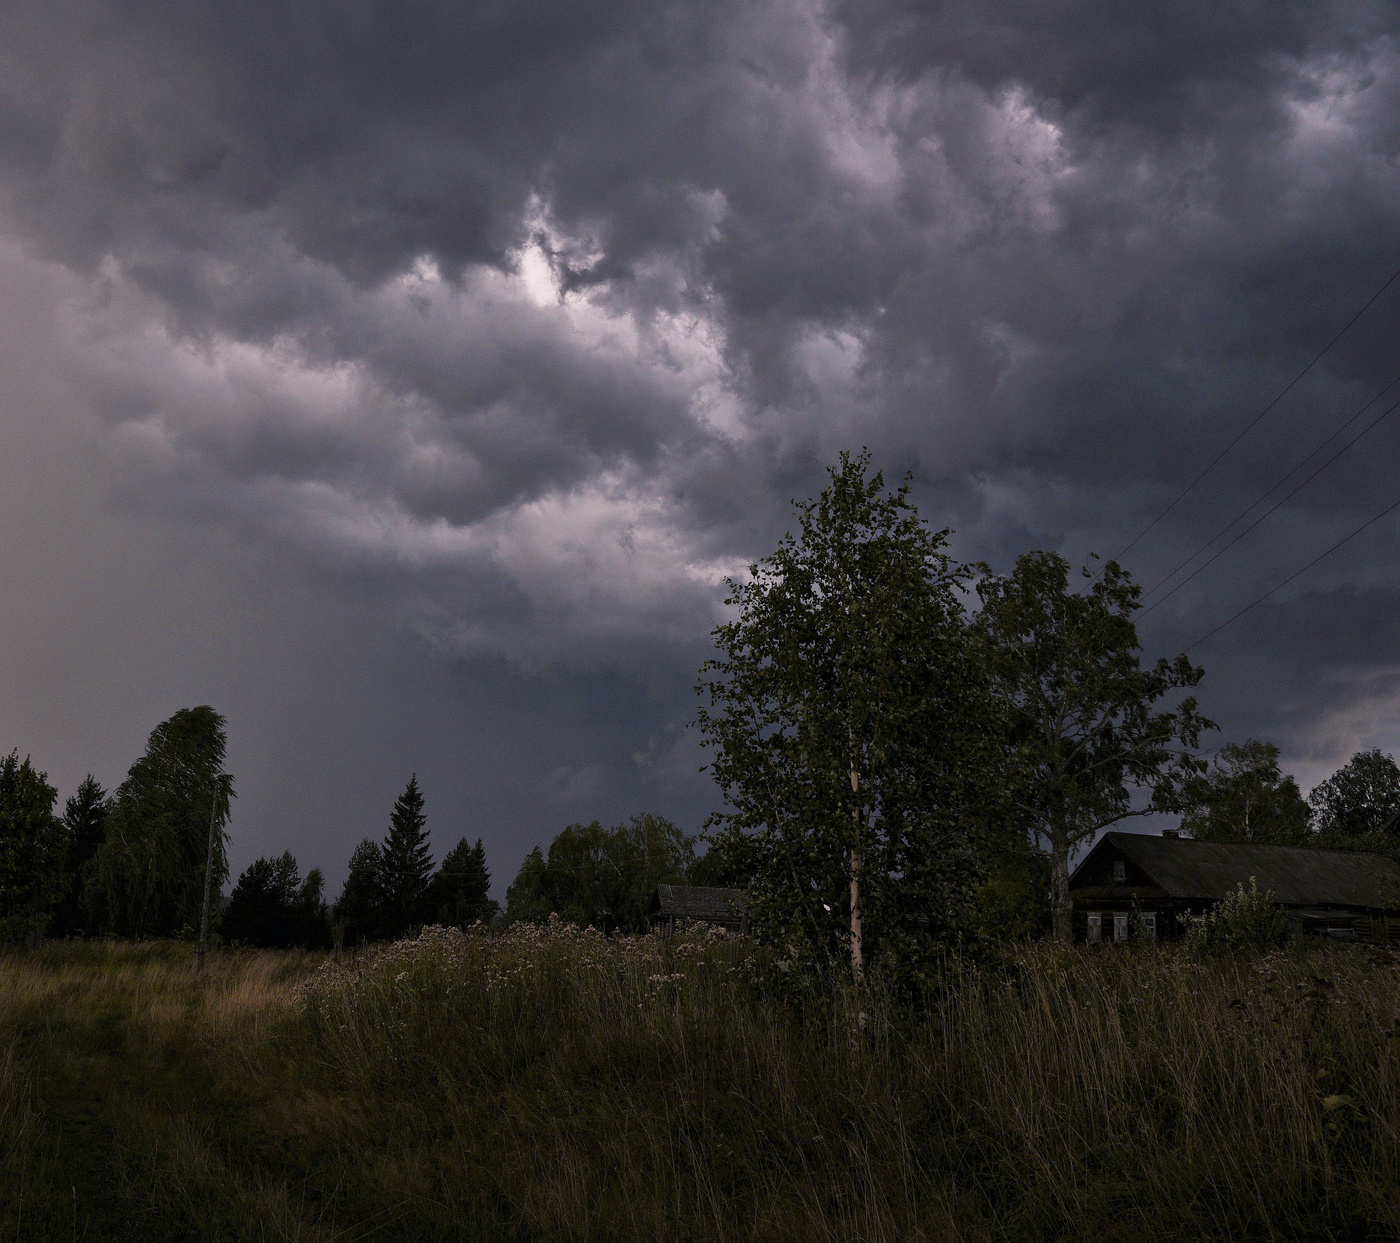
[556, 1084]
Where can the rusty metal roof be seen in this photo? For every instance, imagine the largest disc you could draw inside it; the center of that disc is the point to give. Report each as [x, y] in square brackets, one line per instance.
[1295, 875]
[699, 902]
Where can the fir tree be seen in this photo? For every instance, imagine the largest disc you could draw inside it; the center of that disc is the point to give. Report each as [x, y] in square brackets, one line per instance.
[359, 911]
[406, 864]
[460, 892]
[85, 819]
[271, 906]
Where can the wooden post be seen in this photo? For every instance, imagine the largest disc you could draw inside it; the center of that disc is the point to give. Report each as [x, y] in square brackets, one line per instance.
[208, 876]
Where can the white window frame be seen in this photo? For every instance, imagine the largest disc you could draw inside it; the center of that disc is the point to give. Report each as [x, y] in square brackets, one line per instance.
[1120, 926]
[1095, 927]
[1120, 872]
[1149, 924]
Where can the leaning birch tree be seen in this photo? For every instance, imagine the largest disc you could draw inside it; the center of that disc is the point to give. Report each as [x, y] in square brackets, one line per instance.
[844, 708]
[1084, 731]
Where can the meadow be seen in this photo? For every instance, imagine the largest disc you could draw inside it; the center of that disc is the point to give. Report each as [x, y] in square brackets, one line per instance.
[551, 1083]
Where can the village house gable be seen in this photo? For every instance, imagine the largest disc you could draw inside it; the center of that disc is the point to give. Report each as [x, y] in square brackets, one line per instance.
[1130, 878]
[672, 905]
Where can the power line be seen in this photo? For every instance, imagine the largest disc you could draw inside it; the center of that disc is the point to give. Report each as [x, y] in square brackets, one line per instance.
[1368, 523]
[1297, 466]
[1287, 388]
[1277, 504]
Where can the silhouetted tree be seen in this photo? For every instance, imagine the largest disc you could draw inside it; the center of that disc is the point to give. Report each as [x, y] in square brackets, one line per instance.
[311, 924]
[406, 863]
[271, 906]
[84, 822]
[1358, 806]
[360, 908]
[1245, 797]
[147, 876]
[33, 854]
[460, 892]
[528, 898]
[601, 877]
[259, 910]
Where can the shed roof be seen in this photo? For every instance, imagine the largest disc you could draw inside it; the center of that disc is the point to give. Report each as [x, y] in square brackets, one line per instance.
[699, 902]
[1295, 875]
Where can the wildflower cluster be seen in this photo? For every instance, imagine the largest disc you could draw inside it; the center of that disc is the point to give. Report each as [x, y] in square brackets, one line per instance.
[1247, 919]
[503, 992]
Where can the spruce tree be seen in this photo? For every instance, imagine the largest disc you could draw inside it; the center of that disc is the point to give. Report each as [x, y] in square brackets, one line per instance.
[406, 863]
[85, 820]
[460, 892]
[359, 911]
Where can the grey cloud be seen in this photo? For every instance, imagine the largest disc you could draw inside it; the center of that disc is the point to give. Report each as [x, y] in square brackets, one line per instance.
[511, 328]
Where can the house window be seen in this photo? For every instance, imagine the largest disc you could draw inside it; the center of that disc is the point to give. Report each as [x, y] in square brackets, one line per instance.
[1095, 927]
[1120, 925]
[1149, 924]
[1120, 872]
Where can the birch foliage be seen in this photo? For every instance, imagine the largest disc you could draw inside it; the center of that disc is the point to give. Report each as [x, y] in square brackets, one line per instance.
[1087, 732]
[847, 715]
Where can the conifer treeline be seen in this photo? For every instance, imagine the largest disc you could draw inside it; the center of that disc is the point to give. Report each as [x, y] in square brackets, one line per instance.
[131, 864]
[392, 888]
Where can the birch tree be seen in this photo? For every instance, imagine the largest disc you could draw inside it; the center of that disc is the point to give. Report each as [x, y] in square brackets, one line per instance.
[1087, 747]
[147, 878]
[847, 717]
[1246, 797]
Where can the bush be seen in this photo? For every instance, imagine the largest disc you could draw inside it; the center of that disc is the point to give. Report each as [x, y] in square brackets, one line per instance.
[1014, 902]
[1247, 919]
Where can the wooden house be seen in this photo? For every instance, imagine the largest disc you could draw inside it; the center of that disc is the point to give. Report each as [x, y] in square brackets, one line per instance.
[1335, 892]
[704, 904]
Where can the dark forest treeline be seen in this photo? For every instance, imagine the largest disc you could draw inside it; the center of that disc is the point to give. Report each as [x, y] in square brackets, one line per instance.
[898, 771]
[131, 863]
[61, 874]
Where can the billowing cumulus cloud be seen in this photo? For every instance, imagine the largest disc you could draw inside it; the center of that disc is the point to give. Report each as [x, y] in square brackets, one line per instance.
[442, 360]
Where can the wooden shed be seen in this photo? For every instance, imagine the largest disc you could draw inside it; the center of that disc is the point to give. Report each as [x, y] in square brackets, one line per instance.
[705, 904]
[1335, 892]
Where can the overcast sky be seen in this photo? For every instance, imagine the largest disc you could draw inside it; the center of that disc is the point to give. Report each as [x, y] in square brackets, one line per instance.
[404, 379]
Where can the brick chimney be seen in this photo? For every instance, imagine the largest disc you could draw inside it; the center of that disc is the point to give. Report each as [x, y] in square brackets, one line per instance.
[1171, 832]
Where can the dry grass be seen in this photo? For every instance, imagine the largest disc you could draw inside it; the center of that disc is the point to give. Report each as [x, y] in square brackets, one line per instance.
[554, 1084]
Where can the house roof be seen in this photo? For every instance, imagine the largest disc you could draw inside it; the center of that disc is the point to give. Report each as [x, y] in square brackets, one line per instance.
[699, 902]
[1295, 875]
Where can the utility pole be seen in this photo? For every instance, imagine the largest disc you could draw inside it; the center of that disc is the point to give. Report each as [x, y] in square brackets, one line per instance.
[208, 876]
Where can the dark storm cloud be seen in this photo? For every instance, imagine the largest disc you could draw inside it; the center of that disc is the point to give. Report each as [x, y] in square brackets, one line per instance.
[518, 324]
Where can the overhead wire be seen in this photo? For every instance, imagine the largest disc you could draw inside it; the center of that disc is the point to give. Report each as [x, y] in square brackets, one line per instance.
[1287, 388]
[1277, 504]
[1370, 522]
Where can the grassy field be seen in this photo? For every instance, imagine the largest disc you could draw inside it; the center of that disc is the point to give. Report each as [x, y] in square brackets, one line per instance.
[553, 1084]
